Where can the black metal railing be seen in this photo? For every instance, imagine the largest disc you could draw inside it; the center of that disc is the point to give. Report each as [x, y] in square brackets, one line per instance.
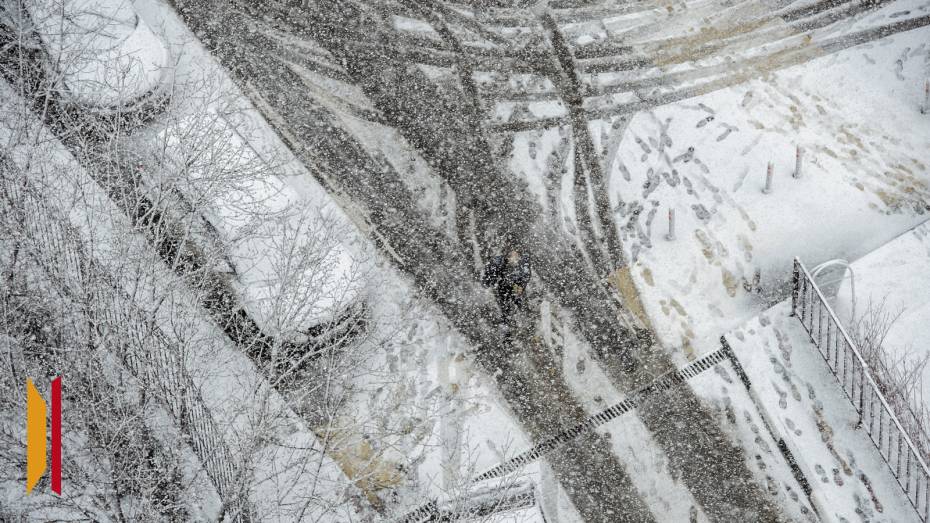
[876, 417]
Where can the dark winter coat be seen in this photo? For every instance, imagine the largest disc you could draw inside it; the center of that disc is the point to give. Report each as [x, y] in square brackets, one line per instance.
[504, 277]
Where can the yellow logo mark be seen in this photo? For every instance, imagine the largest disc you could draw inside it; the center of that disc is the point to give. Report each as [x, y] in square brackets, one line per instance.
[36, 411]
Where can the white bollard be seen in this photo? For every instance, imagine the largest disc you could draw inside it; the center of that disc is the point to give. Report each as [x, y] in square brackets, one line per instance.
[768, 179]
[798, 159]
[926, 107]
[671, 225]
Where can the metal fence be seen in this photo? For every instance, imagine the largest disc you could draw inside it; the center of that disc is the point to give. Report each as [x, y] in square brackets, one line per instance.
[876, 417]
[909, 419]
[123, 329]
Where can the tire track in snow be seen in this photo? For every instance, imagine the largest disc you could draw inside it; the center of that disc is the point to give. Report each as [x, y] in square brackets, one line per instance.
[448, 133]
[757, 66]
[748, 69]
[664, 382]
[374, 196]
[570, 88]
[744, 496]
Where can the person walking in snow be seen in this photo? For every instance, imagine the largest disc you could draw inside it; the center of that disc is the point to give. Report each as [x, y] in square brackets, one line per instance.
[508, 275]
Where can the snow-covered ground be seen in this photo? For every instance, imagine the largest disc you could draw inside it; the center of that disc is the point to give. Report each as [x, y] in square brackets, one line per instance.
[808, 409]
[894, 280]
[423, 421]
[427, 422]
[864, 180]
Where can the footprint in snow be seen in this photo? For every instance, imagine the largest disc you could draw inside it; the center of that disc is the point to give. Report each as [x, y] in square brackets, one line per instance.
[704, 121]
[650, 216]
[688, 187]
[494, 449]
[685, 157]
[701, 212]
[742, 178]
[771, 485]
[651, 184]
[624, 171]
[724, 375]
[763, 444]
[818, 468]
[671, 178]
[868, 486]
[782, 397]
[704, 168]
[643, 237]
[751, 146]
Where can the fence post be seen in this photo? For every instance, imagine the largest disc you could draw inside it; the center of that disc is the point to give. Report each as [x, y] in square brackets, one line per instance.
[671, 225]
[769, 171]
[795, 286]
[925, 108]
[798, 160]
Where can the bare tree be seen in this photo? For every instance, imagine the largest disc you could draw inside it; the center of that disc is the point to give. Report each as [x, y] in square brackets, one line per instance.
[172, 201]
[168, 211]
[899, 372]
[116, 466]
